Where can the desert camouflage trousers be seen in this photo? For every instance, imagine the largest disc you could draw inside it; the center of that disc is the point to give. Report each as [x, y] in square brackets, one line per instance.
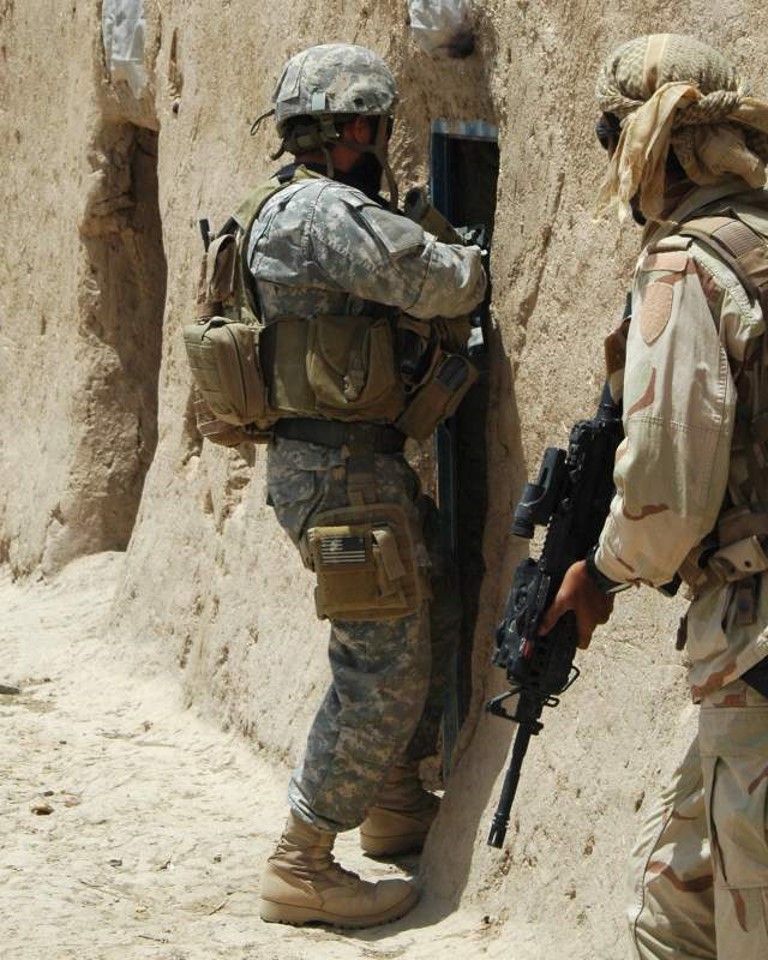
[388, 678]
[699, 872]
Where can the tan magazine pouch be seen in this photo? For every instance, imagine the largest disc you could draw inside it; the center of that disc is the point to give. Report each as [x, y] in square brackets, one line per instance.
[216, 283]
[365, 563]
[438, 396]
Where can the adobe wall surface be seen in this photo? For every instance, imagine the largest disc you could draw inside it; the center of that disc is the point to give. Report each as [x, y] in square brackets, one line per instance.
[100, 195]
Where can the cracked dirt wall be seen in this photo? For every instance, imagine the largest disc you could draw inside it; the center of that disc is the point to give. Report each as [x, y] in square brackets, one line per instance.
[213, 591]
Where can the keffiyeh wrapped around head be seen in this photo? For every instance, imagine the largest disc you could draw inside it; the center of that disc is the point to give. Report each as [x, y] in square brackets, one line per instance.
[669, 90]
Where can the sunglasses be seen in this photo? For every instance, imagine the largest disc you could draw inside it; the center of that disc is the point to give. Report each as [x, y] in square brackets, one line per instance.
[608, 131]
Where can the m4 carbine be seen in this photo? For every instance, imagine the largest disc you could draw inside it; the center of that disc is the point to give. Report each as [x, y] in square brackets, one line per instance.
[572, 497]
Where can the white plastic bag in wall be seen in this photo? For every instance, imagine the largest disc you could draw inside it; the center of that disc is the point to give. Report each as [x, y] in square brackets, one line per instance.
[122, 30]
[442, 27]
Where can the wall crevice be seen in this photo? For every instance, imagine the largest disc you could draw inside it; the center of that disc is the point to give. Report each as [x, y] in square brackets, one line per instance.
[120, 313]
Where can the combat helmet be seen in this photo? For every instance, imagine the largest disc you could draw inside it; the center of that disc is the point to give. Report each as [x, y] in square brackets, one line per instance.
[329, 82]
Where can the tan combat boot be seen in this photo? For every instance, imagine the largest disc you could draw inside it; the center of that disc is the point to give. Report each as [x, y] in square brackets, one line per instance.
[302, 883]
[400, 820]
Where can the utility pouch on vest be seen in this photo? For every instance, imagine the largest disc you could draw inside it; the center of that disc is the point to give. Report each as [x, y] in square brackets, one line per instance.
[739, 560]
[222, 350]
[223, 346]
[365, 562]
[223, 357]
[439, 396]
[351, 367]
[734, 552]
[341, 367]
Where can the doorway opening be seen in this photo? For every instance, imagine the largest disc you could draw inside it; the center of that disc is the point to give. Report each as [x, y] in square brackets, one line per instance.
[464, 169]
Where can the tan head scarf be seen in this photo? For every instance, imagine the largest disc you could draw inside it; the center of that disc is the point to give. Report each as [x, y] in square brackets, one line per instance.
[674, 91]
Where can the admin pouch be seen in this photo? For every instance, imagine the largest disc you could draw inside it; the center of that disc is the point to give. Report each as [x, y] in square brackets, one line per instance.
[365, 561]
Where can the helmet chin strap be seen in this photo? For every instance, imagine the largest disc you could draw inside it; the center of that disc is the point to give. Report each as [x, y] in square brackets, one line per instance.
[379, 149]
[325, 137]
[389, 176]
[381, 152]
[329, 168]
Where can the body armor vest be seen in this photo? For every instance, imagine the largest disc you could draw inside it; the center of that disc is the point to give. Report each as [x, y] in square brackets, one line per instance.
[325, 367]
[735, 550]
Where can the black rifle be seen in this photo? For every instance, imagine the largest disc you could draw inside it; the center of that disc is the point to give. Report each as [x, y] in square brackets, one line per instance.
[571, 496]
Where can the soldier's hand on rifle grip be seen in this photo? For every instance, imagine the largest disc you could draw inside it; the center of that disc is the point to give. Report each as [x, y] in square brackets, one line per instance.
[578, 592]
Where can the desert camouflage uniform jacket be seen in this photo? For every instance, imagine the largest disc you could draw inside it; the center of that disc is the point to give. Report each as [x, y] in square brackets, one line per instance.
[689, 340]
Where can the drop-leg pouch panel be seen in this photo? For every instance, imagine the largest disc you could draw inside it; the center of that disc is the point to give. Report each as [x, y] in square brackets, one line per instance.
[365, 563]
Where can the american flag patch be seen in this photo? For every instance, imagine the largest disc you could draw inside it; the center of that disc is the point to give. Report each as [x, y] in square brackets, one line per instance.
[350, 549]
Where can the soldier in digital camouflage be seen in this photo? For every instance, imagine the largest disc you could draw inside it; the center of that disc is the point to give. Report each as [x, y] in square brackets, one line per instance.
[687, 149]
[334, 266]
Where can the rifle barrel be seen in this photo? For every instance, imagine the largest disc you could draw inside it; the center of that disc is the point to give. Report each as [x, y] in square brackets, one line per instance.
[508, 791]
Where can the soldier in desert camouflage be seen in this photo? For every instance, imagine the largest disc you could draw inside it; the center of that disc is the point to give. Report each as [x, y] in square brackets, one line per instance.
[688, 148]
[325, 251]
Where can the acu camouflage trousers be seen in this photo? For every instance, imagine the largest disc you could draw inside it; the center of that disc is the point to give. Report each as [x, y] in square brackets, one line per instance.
[699, 872]
[388, 678]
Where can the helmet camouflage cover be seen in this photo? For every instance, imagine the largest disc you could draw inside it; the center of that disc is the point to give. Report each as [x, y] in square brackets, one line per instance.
[334, 78]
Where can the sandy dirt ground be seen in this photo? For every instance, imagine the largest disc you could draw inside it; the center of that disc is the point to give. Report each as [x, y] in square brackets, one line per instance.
[132, 827]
